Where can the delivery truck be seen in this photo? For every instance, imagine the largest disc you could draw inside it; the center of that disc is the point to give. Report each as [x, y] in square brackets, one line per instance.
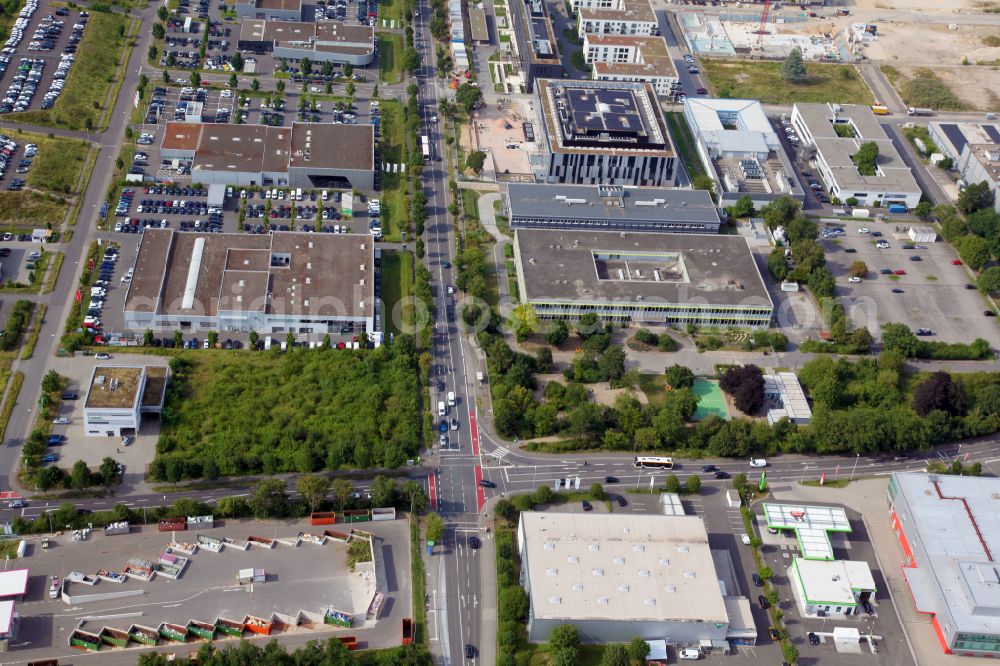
[880, 109]
[918, 111]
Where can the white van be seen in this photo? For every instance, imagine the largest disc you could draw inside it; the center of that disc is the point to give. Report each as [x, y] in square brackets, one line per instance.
[441, 409]
[451, 398]
[689, 654]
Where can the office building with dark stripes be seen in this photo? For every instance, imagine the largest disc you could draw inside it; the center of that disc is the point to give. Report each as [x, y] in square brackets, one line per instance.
[605, 133]
[974, 150]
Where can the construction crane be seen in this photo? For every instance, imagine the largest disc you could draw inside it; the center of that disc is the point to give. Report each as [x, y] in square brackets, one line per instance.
[762, 29]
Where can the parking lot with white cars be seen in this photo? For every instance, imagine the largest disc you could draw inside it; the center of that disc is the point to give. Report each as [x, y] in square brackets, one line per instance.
[923, 285]
[44, 62]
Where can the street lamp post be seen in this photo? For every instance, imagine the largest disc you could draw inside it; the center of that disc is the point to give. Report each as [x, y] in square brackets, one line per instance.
[855, 466]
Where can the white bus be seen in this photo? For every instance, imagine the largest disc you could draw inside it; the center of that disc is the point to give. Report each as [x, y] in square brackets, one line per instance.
[654, 462]
[425, 145]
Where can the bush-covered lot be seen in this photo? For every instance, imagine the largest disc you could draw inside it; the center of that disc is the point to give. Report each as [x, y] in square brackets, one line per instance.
[302, 411]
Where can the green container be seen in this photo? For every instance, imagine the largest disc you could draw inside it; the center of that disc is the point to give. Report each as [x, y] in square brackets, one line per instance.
[172, 635]
[229, 631]
[143, 638]
[114, 642]
[201, 632]
[85, 644]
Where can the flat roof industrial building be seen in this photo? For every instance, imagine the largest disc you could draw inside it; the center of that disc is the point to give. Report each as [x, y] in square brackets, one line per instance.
[285, 10]
[119, 395]
[324, 41]
[304, 155]
[273, 283]
[602, 207]
[605, 133]
[619, 576]
[949, 530]
[893, 182]
[974, 149]
[660, 278]
[741, 151]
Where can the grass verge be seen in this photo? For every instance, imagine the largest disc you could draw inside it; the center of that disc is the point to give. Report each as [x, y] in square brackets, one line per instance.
[30, 210]
[90, 78]
[59, 163]
[36, 328]
[685, 145]
[419, 580]
[53, 274]
[835, 483]
[13, 391]
[88, 169]
[397, 287]
[744, 79]
[390, 58]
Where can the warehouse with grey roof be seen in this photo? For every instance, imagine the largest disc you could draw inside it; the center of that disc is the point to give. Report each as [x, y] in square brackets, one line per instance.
[621, 576]
[657, 278]
[610, 207]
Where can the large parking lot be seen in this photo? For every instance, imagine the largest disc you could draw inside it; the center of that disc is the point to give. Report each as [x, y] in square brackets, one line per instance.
[38, 55]
[929, 293]
[309, 577]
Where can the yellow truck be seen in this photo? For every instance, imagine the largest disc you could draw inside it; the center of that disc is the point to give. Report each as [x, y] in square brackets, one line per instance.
[880, 109]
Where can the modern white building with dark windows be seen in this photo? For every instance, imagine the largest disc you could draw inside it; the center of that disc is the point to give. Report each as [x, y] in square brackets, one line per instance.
[835, 133]
[119, 396]
[611, 208]
[605, 133]
[741, 151]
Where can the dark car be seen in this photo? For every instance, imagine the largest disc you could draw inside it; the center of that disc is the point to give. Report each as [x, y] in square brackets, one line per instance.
[772, 633]
[764, 603]
[474, 543]
[587, 506]
[969, 285]
[757, 579]
[719, 474]
[622, 502]
[611, 479]
[886, 271]
[708, 468]
[813, 638]
[849, 250]
[486, 483]
[69, 396]
[897, 290]
[470, 651]
[867, 605]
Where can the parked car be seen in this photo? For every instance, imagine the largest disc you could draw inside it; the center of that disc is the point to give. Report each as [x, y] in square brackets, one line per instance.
[764, 603]
[773, 634]
[813, 638]
[758, 462]
[68, 395]
[622, 502]
[756, 579]
[587, 506]
[62, 420]
[103, 356]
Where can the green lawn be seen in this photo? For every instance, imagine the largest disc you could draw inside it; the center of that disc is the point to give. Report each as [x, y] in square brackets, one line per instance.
[685, 145]
[30, 210]
[395, 214]
[470, 203]
[578, 61]
[91, 77]
[923, 88]
[389, 10]
[393, 143]
[390, 57]
[58, 163]
[397, 284]
[745, 79]
[653, 385]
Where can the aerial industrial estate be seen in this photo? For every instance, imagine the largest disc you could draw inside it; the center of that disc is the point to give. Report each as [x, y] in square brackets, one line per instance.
[517, 332]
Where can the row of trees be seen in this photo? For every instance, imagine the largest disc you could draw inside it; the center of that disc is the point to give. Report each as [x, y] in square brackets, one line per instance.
[314, 653]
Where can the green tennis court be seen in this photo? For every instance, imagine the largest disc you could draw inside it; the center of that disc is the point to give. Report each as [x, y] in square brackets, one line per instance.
[711, 400]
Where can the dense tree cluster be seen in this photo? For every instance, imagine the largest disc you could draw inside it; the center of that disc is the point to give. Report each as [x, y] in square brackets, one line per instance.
[745, 384]
[940, 392]
[899, 337]
[866, 158]
[295, 412]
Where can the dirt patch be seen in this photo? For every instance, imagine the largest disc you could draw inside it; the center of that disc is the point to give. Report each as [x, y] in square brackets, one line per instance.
[939, 46]
[934, 6]
[600, 393]
[974, 85]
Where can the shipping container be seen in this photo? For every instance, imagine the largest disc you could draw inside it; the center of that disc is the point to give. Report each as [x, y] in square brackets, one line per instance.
[407, 631]
[323, 518]
[861, 213]
[897, 208]
[178, 524]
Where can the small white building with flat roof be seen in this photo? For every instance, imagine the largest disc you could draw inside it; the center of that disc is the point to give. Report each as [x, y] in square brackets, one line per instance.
[812, 526]
[784, 398]
[825, 588]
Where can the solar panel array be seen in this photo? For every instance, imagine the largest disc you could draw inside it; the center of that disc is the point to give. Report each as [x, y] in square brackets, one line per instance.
[955, 135]
[991, 130]
[604, 110]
